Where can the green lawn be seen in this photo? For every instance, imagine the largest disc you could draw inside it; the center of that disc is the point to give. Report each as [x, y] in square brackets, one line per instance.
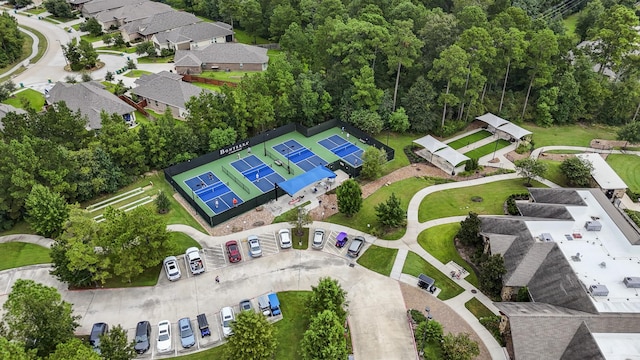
[155, 60]
[415, 265]
[564, 152]
[553, 172]
[275, 54]
[214, 88]
[570, 23]
[288, 331]
[20, 228]
[457, 202]
[136, 73]
[36, 10]
[183, 242]
[300, 242]
[487, 149]
[628, 168]
[378, 259]
[398, 142]
[35, 99]
[571, 135]
[469, 139]
[177, 213]
[123, 49]
[17, 254]
[404, 190]
[478, 309]
[76, 27]
[90, 38]
[230, 76]
[242, 37]
[438, 241]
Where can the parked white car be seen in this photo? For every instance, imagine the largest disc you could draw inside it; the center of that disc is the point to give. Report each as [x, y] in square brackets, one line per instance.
[164, 336]
[318, 239]
[172, 268]
[255, 250]
[285, 238]
[227, 316]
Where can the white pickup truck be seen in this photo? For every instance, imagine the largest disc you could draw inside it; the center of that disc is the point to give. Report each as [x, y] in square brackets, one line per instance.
[196, 265]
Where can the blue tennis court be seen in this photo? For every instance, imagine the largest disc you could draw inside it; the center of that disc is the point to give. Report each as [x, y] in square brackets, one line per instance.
[259, 173]
[202, 180]
[349, 152]
[218, 197]
[299, 155]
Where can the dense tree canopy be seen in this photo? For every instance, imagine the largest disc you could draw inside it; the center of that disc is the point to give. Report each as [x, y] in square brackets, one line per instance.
[11, 40]
[36, 316]
[349, 197]
[253, 337]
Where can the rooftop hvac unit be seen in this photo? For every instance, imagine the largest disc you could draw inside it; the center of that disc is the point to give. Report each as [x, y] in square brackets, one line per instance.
[598, 290]
[632, 282]
[546, 237]
[593, 225]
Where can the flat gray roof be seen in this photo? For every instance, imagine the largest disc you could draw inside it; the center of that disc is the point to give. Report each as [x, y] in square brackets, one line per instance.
[602, 173]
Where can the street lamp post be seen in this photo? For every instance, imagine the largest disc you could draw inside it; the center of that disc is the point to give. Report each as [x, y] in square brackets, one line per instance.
[424, 334]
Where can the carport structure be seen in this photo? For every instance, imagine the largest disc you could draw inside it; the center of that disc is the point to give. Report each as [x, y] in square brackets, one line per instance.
[503, 128]
[603, 174]
[441, 155]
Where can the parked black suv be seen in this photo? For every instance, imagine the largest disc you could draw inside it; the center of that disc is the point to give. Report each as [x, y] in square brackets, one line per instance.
[143, 334]
[97, 330]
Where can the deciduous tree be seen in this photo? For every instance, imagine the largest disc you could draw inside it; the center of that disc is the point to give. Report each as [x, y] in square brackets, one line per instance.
[146, 47]
[59, 8]
[349, 197]
[615, 37]
[328, 295]
[74, 349]
[372, 161]
[469, 229]
[114, 345]
[221, 137]
[324, 340]
[93, 27]
[577, 171]
[253, 337]
[36, 316]
[399, 121]
[491, 271]
[530, 168]
[630, 133]
[404, 48]
[14, 350]
[459, 347]
[390, 213]
[47, 211]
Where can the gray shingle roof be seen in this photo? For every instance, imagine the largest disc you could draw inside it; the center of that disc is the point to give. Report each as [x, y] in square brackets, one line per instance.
[166, 88]
[131, 12]
[541, 329]
[96, 6]
[188, 59]
[227, 53]
[546, 211]
[90, 98]
[529, 265]
[556, 196]
[582, 346]
[5, 109]
[556, 283]
[166, 21]
[521, 244]
[194, 33]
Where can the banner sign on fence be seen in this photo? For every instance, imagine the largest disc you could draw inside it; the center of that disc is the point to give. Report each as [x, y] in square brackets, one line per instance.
[234, 148]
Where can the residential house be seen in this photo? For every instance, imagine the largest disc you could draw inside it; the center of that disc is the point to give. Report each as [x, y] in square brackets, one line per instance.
[226, 56]
[166, 90]
[194, 36]
[129, 13]
[91, 99]
[145, 28]
[6, 109]
[578, 256]
[78, 4]
[92, 8]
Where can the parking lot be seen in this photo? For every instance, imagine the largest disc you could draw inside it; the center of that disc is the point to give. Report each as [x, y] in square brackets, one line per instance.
[193, 295]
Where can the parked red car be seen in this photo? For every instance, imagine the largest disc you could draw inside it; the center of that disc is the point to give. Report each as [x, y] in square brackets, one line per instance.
[233, 251]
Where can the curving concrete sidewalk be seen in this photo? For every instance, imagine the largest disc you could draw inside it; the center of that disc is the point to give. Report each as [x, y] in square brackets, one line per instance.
[27, 238]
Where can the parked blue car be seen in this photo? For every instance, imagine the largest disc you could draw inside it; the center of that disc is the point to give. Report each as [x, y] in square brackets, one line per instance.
[186, 333]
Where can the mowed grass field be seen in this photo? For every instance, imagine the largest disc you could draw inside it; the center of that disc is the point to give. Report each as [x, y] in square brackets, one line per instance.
[415, 265]
[438, 241]
[571, 135]
[34, 99]
[378, 259]
[457, 202]
[469, 139]
[628, 168]
[487, 149]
